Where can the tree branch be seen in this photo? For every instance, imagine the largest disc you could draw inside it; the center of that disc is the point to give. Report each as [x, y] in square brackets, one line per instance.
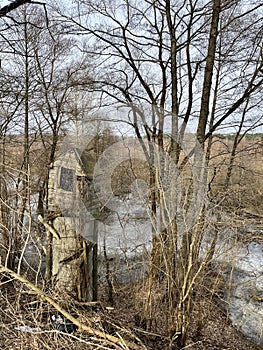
[15, 4]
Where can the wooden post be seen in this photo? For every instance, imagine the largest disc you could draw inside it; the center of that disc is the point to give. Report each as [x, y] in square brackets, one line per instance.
[95, 272]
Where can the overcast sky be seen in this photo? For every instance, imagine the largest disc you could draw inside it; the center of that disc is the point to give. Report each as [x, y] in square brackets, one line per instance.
[3, 3]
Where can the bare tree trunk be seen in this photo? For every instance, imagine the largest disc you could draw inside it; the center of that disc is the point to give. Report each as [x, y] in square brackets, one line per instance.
[188, 266]
[238, 138]
[175, 149]
[4, 212]
[210, 60]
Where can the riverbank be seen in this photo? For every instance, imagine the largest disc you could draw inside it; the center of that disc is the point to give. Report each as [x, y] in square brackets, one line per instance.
[120, 318]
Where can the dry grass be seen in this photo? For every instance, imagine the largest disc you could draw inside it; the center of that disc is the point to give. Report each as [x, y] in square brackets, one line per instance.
[125, 319]
[20, 308]
[244, 193]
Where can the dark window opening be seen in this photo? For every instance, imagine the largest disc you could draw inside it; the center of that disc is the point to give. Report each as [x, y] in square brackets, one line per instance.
[66, 180]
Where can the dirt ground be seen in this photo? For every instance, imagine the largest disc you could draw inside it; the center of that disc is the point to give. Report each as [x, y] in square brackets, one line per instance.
[19, 308]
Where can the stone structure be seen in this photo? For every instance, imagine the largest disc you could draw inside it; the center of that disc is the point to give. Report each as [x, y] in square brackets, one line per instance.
[74, 239]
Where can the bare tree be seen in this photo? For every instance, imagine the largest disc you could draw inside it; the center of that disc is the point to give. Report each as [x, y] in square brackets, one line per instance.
[197, 63]
[163, 56]
[45, 77]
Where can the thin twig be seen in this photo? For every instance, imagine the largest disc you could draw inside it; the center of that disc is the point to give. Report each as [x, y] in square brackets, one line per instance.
[48, 227]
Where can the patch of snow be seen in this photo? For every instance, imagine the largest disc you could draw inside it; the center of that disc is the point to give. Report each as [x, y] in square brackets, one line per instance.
[27, 329]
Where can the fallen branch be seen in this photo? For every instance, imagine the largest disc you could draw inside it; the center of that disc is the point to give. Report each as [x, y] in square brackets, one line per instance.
[117, 341]
[48, 227]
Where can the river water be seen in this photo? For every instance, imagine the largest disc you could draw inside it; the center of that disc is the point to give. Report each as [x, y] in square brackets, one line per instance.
[127, 238]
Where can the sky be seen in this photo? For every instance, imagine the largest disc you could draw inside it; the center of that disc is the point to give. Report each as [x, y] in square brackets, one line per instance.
[4, 3]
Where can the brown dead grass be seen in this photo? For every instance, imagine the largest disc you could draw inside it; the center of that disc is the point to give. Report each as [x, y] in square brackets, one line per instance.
[18, 307]
[246, 183]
